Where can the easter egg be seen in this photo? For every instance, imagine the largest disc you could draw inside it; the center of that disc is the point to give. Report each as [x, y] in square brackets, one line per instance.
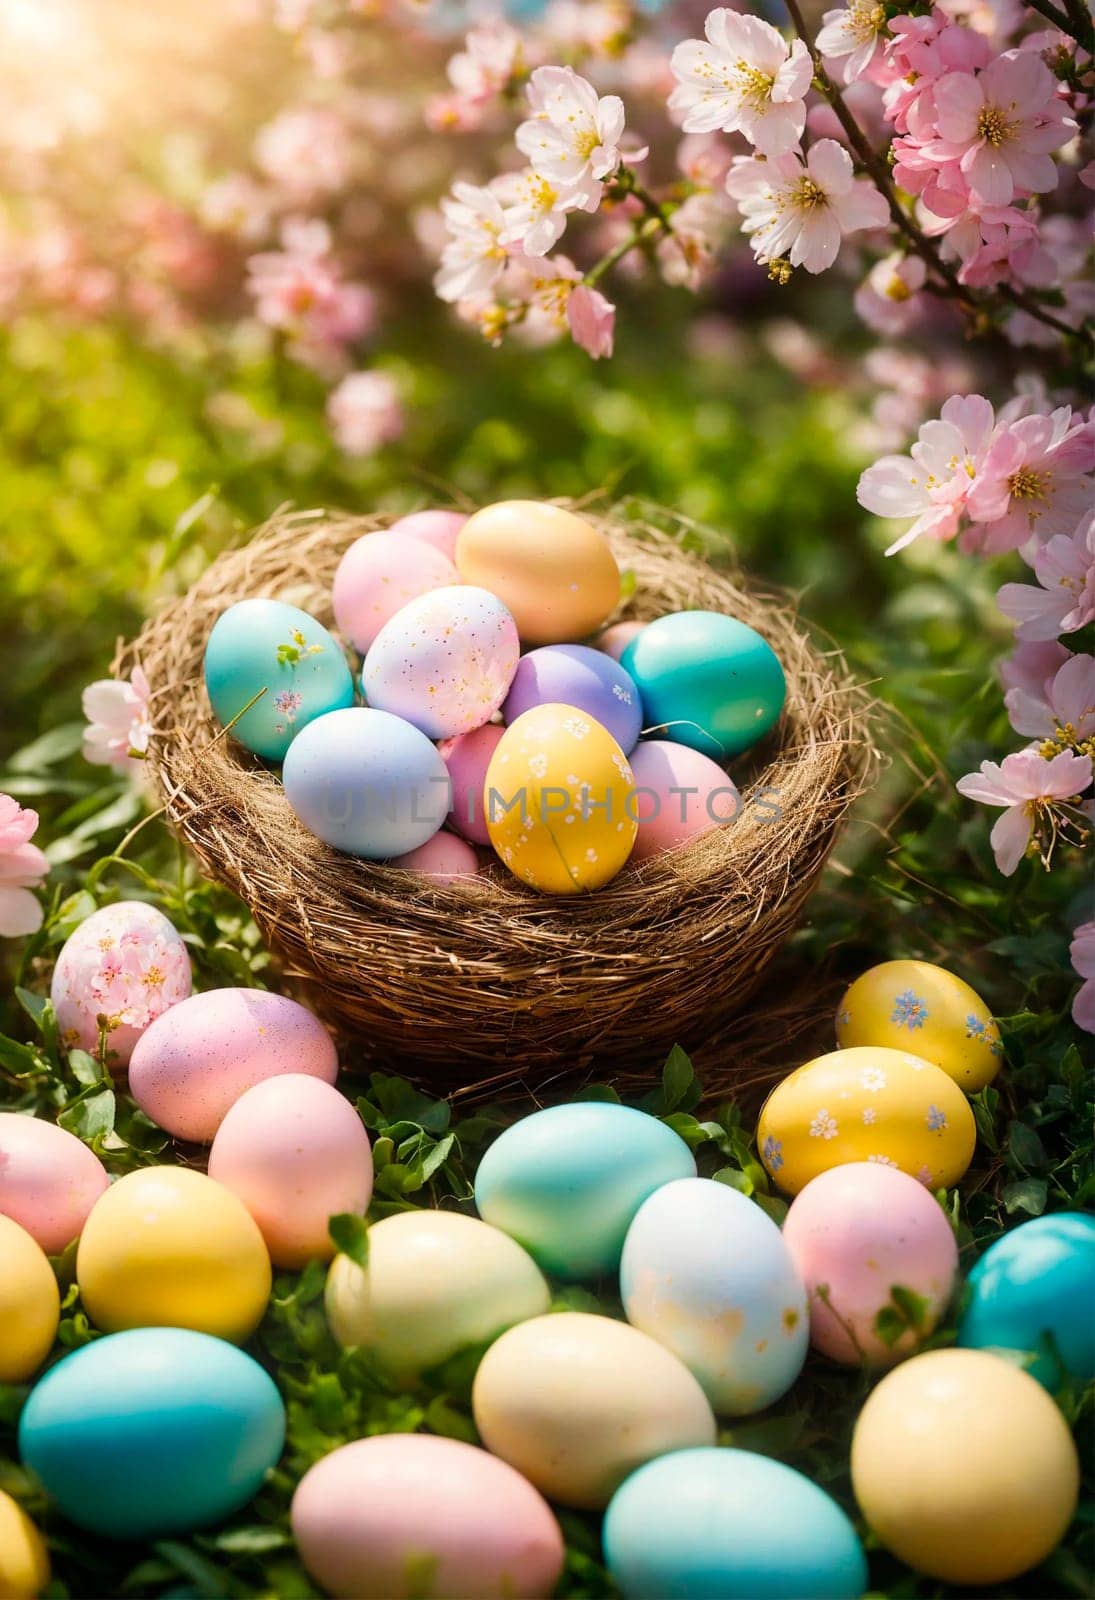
[558, 800]
[152, 1432]
[49, 1179]
[615, 640]
[367, 783]
[1033, 1291]
[877, 1105]
[380, 573]
[265, 645]
[707, 681]
[402, 1515]
[123, 967]
[445, 857]
[705, 1272]
[913, 1005]
[191, 1067]
[436, 528]
[576, 1402]
[679, 794]
[436, 1282]
[467, 758]
[729, 1525]
[445, 662]
[30, 1304]
[575, 675]
[24, 1560]
[295, 1152]
[854, 1233]
[964, 1468]
[552, 569]
[566, 1182]
[168, 1247]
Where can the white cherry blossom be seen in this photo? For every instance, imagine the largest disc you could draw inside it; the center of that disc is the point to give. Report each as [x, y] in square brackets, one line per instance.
[799, 211]
[744, 78]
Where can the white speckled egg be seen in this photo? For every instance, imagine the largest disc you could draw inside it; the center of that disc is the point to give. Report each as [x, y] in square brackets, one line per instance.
[380, 573]
[49, 1179]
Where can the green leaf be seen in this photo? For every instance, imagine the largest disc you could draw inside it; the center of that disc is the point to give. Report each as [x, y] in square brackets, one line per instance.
[677, 1077]
[1025, 1147]
[90, 1117]
[253, 1541]
[734, 1178]
[1027, 1194]
[350, 1236]
[36, 1006]
[913, 1306]
[85, 1069]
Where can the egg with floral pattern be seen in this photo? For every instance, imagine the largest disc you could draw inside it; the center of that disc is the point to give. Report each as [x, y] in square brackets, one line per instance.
[121, 970]
[866, 1104]
[914, 1005]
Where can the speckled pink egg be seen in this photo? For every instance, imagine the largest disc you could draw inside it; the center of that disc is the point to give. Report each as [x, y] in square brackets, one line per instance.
[190, 1068]
[379, 574]
[444, 857]
[436, 528]
[679, 793]
[615, 639]
[445, 662]
[408, 1514]
[126, 964]
[49, 1179]
[294, 1150]
[859, 1230]
[467, 757]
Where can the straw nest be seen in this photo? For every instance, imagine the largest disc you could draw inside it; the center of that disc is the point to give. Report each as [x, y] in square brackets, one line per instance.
[484, 981]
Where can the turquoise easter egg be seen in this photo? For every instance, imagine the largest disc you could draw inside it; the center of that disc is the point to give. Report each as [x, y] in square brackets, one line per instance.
[152, 1432]
[707, 681]
[1034, 1291]
[567, 1182]
[719, 1524]
[267, 645]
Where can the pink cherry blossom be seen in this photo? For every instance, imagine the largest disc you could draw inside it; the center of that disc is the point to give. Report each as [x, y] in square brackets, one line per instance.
[365, 412]
[573, 136]
[299, 290]
[1029, 788]
[745, 79]
[119, 721]
[1032, 482]
[474, 256]
[851, 34]
[698, 227]
[1064, 713]
[592, 320]
[1001, 125]
[1032, 667]
[889, 299]
[800, 211]
[1082, 955]
[22, 868]
[536, 210]
[306, 151]
[490, 59]
[1063, 600]
[921, 50]
[931, 484]
[237, 204]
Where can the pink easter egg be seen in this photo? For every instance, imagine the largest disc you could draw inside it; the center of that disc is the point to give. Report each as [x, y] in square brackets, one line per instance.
[49, 1179]
[380, 574]
[615, 640]
[125, 964]
[467, 757]
[438, 528]
[407, 1514]
[679, 793]
[860, 1229]
[190, 1068]
[443, 857]
[294, 1150]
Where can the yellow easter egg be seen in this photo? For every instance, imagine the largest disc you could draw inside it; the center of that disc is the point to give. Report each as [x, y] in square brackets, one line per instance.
[964, 1467]
[30, 1304]
[167, 1247]
[24, 1562]
[913, 1005]
[558, 800]
[866, 1104]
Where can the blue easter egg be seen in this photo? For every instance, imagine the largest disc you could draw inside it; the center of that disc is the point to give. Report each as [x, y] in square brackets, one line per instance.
[707, 681]
[367, 782]
[575, 675]
[152, 1432]
[718, 1524]
[267, 645]
[1034, 1291]
[566, 1182]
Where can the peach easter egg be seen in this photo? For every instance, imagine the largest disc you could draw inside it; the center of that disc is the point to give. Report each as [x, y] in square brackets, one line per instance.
[445, 857]
[379, 574]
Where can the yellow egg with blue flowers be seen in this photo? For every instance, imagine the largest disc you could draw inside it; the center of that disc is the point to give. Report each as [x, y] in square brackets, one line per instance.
[914, 1005]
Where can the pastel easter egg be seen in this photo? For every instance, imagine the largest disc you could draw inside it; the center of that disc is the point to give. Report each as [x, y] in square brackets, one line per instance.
[705, 1272]
[294, 1150]
[1033, 1291]
[615, 639]
[268, 648]
[913, 1005]
[49, 1179]
[576, 1402]
[552, 569]
[445, 662]
[191, 1067]
[367, 783]
[402, 1515]
[436, 528]
[856, 1233]
[175, 1432]
[679, 794]
[379, 574]
[964, 1468]
[467, 758]
[567, 1181]
[444, 857]
[435, 1283]
[707, 680]
[558, 800]
[30, 1304]
[123, 967]
[576, 675]
[865, 1104]
[24, 1559]
[168, 1247]
[729, 1525]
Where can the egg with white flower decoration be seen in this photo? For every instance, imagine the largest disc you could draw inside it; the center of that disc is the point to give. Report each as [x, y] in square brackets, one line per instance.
[115, 976]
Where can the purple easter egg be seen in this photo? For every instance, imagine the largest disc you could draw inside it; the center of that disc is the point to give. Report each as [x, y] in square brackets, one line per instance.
[575, 675]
